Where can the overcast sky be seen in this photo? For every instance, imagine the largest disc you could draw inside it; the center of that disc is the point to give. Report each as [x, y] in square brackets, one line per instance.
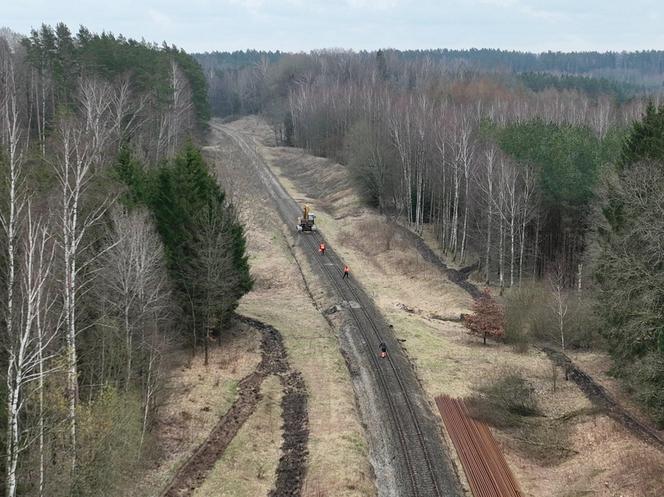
[295, 25]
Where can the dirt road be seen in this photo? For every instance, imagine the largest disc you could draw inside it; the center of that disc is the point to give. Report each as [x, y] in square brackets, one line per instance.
[407, 450]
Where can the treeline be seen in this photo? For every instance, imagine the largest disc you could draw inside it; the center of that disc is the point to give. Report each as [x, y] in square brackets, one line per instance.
[647, 62]
[218, 61]
[161, 89]
[636, 67]
[593, 87]
[501, 173]
[629, 270]
[116, 243]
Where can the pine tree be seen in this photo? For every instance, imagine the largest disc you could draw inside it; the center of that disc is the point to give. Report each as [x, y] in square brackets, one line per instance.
[646, 139]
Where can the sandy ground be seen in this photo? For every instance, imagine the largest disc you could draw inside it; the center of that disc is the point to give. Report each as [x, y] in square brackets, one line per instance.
[338, 464]
[605, 460]
[196, 396]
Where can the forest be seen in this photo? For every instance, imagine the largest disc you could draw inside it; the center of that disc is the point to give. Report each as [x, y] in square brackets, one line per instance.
[522, 164]
[117, 243]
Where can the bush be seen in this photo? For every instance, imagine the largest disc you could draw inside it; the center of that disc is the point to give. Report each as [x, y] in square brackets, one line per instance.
[488, 319]
[529, 317]
[509, 402]
[524, 315]
[504, 400]
[109, 442]
[583, 323]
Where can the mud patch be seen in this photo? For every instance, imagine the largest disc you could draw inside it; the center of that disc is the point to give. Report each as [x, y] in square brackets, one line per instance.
[293, 462]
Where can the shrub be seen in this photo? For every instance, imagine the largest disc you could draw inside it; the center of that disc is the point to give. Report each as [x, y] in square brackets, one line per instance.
[583, 323]
[529, 317]
[509, 402]
[505, 399]
[488, 319]
[109, 442]
[523, 315]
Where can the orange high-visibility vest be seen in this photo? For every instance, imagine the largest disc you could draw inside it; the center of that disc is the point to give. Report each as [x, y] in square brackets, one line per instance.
[346, 269]
[322, 246]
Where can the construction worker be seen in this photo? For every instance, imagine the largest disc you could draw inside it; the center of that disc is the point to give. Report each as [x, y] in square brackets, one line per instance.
[321, 249]
[383, 350]
[346, 271]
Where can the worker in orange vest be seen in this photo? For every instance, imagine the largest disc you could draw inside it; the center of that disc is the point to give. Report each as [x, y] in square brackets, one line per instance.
[383, 350]
[322, 249]
[346, 271]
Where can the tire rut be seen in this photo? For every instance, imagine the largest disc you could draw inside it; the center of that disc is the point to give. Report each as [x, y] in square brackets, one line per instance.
[293, 461]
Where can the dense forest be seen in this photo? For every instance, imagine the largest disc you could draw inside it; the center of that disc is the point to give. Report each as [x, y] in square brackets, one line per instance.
[117, 243]
[506, 158]
[650, 62]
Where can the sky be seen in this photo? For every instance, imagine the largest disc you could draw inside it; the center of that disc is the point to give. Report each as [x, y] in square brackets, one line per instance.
[303, 25]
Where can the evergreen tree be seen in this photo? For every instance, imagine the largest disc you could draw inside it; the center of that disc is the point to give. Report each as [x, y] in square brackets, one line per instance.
[646, 139]
[203, 239]
[629, 269]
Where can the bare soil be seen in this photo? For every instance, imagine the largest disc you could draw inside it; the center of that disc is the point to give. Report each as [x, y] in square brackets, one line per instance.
[248, 466]
[293, 462]
[601, 397]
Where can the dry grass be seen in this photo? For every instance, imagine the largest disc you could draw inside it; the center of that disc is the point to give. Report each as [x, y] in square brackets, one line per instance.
[410, 293]
[197, 397]
[337, 450]
[247, 468]
[598, 365]
[338, 462]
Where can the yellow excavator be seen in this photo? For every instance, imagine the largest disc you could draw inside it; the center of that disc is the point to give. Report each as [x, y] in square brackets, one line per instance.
[308, 220]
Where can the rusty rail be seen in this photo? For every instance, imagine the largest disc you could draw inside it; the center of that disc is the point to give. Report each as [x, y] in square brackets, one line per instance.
[482, 460]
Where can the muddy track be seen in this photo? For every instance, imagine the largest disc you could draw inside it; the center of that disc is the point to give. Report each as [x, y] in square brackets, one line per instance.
[292, 464]
[407, 451]
[601, 398]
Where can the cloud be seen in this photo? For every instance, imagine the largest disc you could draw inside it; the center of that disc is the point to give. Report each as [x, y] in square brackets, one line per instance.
[523, 8]
[248, 4]
[499, 3]
[160, 19]
[545, 15]
[373, 4]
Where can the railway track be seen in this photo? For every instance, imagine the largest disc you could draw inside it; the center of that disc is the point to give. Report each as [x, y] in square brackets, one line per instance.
[417, 461]
[387, 378]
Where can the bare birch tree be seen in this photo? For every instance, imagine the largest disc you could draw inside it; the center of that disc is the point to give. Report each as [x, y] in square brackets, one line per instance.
[81, 145]
[26, 340]
[559, 305]
[133, 282]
